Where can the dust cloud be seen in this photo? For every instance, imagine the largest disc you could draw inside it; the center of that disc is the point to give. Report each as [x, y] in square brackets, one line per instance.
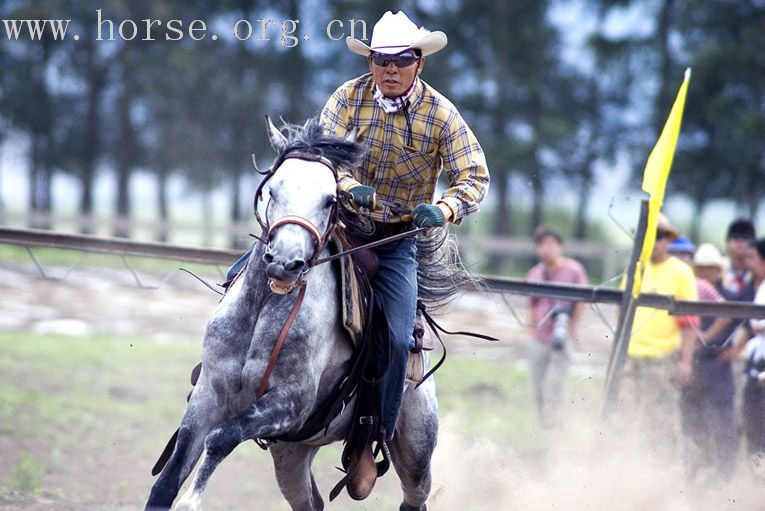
[587, 465]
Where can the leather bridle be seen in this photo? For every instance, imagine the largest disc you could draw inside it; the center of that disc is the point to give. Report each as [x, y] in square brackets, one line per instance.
[319, 238]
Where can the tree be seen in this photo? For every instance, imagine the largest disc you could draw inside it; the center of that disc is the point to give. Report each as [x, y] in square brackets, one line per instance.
[720, 152]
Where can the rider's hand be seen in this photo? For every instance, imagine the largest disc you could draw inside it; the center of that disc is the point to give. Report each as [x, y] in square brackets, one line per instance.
[363, 196]
[428, 215]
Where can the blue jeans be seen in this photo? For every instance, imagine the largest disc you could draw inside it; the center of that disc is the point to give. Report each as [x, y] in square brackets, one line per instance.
[396, 283]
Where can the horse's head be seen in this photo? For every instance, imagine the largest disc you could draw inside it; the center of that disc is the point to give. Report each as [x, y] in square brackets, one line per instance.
[302, 203]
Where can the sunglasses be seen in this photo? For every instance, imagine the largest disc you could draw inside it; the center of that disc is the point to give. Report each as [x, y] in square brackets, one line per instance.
[661, 235]
[400, 60]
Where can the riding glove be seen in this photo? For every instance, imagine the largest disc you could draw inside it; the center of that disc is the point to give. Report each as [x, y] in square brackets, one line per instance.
[428, 215]
[363, 196]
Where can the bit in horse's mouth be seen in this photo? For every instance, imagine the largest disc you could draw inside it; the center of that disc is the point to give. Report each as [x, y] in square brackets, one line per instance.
[281, 287]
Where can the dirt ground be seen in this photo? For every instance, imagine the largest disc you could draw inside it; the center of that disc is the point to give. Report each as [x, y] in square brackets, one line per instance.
[583, 466]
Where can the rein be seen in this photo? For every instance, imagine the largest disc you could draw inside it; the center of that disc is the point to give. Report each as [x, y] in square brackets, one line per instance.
[280, 341]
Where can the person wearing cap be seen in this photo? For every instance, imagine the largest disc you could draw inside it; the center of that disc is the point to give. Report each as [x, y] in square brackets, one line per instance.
[412, 134]
[707, 403]
[740, 234]
[660, 350]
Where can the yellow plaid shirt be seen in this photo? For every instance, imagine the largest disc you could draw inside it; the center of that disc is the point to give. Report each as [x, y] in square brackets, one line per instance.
[405, 175]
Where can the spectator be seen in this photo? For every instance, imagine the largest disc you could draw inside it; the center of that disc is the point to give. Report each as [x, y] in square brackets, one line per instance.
[707, 403]
[753, 402]
[555, 323]
[660, 351]
[740, 233]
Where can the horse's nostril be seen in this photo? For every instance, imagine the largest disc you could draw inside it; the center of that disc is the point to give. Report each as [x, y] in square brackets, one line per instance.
[268, 258]
[294, 265]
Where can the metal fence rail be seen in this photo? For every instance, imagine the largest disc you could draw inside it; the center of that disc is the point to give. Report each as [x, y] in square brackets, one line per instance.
[115, 246]
[31, 238]
[595, 294]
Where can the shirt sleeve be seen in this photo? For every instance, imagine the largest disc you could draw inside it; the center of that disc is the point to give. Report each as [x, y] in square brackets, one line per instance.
[465, 167]
[759, 299]
[334, 118]
[686, 290]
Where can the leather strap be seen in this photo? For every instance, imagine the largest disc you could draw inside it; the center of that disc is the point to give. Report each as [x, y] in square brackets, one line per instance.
[280, 341]
[302, 222]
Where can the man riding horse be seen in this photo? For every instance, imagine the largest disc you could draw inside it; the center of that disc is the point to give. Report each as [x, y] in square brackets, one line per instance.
[411, 133]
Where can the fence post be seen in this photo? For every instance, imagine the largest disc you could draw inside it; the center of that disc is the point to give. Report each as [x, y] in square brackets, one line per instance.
[618, 355]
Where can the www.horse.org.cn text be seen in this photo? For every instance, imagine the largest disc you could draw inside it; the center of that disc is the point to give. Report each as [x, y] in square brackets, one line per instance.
[286, 31]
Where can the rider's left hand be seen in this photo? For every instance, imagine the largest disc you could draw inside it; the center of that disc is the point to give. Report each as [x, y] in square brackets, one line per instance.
[428, 215]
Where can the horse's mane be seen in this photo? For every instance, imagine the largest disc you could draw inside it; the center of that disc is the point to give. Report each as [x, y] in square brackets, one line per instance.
[310, 138]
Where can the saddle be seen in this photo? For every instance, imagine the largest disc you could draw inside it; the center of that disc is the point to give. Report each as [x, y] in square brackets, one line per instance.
[363, 265]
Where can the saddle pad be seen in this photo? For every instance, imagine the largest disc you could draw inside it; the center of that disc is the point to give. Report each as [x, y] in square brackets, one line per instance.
[350, 297]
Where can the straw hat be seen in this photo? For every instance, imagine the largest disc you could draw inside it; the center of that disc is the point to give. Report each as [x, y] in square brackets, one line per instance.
[664, 225]
[395, 33]
[708, 255]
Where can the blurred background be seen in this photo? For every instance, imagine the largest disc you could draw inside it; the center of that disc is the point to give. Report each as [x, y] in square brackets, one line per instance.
[152, 139]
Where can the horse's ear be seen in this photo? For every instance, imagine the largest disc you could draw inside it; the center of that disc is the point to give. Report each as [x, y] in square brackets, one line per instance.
[276, 137]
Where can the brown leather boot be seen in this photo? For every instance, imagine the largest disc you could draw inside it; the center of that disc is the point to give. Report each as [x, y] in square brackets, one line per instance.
[362, 482]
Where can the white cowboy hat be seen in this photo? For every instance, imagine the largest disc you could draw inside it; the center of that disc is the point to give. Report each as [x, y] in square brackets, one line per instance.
[708, 255]
[395, 33]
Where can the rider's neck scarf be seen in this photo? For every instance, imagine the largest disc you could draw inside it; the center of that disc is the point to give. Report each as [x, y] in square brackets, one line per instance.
[396, 104]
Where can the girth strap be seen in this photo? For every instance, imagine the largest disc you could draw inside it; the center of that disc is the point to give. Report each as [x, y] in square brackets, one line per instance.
[280, 341]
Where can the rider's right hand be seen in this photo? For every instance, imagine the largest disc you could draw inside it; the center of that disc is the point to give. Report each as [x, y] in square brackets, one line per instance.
[363, 196]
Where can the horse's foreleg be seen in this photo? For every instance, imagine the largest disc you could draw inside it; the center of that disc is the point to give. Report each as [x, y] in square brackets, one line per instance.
[200, 416]
[414, 443]
[292, 464]
[271, 416]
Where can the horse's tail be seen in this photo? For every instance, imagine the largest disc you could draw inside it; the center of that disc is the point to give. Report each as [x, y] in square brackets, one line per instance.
[441, 274]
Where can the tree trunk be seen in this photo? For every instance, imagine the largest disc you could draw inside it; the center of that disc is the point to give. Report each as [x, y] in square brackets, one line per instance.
[695, 228]
[536, 218]
[2, 202]
[163, 224]
[93, 91]
[665, 93]
[40, 182]
[208, 224]
[125, 155]
[580, 222]
[502, 224]
[86, 221]
[235, 212]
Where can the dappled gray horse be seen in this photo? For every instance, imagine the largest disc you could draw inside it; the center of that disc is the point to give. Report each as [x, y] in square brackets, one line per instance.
[224, 410]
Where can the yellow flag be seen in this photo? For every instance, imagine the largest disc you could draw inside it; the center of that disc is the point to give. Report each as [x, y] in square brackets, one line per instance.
[655, 176]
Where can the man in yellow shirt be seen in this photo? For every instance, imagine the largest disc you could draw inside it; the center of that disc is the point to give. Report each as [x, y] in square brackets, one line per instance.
[661, 346]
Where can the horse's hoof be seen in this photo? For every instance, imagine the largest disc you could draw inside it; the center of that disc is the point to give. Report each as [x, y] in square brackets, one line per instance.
[407, 507]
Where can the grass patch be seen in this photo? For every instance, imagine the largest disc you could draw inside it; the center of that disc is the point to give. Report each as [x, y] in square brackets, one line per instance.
[26, 476]
[95, 412]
